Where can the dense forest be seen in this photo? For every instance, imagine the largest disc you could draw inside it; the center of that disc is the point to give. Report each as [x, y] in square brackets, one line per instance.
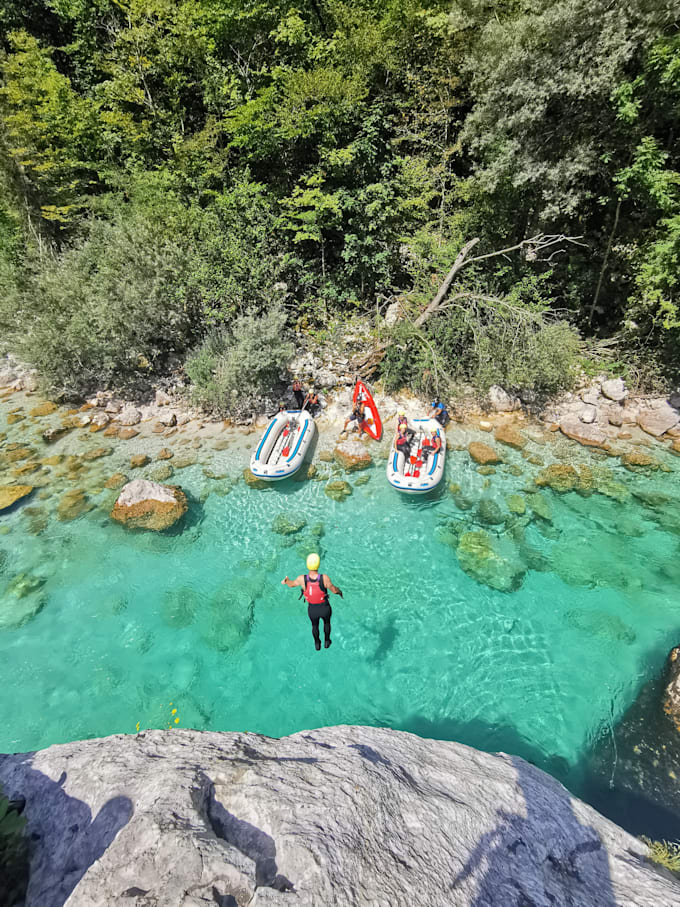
[203, 181]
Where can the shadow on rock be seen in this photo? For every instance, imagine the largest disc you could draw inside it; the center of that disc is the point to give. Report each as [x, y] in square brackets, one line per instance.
[65, 839]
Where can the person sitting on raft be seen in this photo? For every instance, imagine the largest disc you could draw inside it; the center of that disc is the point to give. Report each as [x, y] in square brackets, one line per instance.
[432, 445]
[357, 415]
[402, 441]
[439, 412]
[312, 403]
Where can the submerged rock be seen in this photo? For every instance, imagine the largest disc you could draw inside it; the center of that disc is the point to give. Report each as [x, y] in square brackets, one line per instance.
[139, 460]
[287, 524]
[352, 456]
[506, 434]
[599, 623]
[227, 620]
[489, 512]
[20, 600]
[130, 415]
[588, 435]
[73, 504]
[658, 421]
[483, 454]
[338, 490]
[478, 557]
[253, 481]
[180, 606]
[116, 481]
[561, 477]
[10, 494]
[639, 461]
[54, 434]
[149, 505]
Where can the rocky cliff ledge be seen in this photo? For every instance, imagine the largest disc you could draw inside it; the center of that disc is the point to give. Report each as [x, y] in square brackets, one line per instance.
[345, 815]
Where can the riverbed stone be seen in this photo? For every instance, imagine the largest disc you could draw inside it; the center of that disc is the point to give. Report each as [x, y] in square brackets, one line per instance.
[588, 414]
[659, 420]
[116, 481]
[139, 460]
[185, 460]
[10, 494]
[540, 506]
[288, 524]
[165, 454]
[588, 435]
[489, 512]
[43, 409]
[51, 435]
[479, 558]
[129, 415]
[338, 490]
[352, 456]
[671, 699]
[149, 505]
[253, 481]
[483, 454]
[127, 434]
[516, 504]
[501, 401]
[21, 600]
[162, 473]
[639, 461]
[560, 477]
[73, 504]
[511, 437]
[97, 453]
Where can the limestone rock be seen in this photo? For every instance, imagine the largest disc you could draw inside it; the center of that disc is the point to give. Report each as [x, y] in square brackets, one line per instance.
[162, 399]
[129, 415]
[326, 456]
[483, 454]
[182, 818]
[43, 409]
[615, 416]
[148, 505]
[97, 453]
[338, 490]
[561, 477]
[479, 558]
[501, 401]
[489, 513]
[73, 504]
[540, 506]
[162, 473]
[615, 389]
[116, 481]
[516, 504]
[657, 421]
[127, 434]
[505, 434]
[165, 454]
[675, 446]
[168, 419]
[54, 434]
[591, 396]
[187, 460]
[352, 456]
[588, 414]
[99, 421]
[10, 494]
[588, 435]
[139, 460]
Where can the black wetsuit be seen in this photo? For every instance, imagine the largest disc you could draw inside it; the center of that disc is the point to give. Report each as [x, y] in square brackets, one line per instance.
[299, 398]
[320, 612]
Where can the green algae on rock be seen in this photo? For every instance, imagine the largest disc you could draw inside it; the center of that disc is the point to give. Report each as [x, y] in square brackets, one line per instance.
[21, 600]
[287, 524]
[479, 558]
[148, 505]
[338, 490]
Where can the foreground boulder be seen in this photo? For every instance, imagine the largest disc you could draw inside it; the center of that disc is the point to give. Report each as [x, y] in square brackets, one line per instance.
[659, 420]
[10, 494]
[189, 818]
[149, 505]
[588, 435]
[480, 558]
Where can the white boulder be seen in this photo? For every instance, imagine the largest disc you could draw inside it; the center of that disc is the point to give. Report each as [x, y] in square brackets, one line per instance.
[615, 389]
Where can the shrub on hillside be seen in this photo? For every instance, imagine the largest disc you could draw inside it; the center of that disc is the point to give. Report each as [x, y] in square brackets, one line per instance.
[235, 368]
[106, 310]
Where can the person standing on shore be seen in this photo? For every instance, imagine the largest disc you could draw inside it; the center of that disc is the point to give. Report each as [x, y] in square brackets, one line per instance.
[315, 588]
[298, 393]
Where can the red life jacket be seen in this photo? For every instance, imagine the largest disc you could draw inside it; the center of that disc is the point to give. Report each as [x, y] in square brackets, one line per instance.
[315, 591]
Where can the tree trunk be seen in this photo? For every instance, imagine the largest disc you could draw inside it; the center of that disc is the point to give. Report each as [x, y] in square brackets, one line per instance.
[448, 280]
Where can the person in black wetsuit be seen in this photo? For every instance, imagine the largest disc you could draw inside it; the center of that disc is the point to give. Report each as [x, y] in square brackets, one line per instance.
[315, 589]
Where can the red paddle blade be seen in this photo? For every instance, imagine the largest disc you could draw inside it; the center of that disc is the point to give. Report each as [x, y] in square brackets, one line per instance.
[416, 473]
[285, 432]
[285, 451]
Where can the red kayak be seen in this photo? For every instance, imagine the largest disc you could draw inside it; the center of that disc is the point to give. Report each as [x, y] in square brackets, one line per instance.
[372, 425]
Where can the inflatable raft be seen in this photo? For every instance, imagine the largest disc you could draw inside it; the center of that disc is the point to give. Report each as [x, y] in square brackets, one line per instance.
[372, 424]
[283, 445]
[423, 469]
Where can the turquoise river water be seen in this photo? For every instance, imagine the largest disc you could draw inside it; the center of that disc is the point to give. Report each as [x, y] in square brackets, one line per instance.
[137, 625]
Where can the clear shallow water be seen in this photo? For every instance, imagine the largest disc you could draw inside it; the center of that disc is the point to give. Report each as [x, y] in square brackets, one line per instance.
[138, 624]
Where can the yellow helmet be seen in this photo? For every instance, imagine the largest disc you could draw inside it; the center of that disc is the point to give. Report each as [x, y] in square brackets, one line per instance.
[313, 561]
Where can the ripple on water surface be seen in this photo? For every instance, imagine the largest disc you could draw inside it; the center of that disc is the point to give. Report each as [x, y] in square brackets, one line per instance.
[136, 625]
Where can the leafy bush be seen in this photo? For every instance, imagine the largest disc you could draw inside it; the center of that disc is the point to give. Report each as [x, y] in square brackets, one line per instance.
[513, 341]
[13, 855]
[665, 853]
[107, 310]
[234, 368]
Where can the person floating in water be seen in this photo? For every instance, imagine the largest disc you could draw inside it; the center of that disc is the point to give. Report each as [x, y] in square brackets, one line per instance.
[315, 589]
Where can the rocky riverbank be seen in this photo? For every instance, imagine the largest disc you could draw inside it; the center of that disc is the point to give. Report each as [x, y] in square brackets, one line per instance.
[345, 815]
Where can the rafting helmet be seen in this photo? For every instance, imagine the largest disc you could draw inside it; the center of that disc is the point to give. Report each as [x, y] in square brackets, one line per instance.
[434, 431]
[313, 561]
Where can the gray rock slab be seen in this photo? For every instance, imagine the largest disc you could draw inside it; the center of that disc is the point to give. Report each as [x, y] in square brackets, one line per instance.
[339, 816]
[658, 420]
[615, 389]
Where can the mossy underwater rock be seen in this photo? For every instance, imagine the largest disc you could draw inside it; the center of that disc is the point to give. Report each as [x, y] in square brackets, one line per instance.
[509, 436]
[479, 558]
[72, 505]
[287, 524]
[489, 512]
[149, 505]
[338, 490]
[483, 454]
[639, 461]
[180, 606]
[21, 600]
[10, 494]
[253, 481]
[227, 620]
[352, 456]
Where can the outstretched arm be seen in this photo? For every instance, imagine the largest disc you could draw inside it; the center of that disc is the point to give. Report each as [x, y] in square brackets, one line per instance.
[300, 581]
[329, 585]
